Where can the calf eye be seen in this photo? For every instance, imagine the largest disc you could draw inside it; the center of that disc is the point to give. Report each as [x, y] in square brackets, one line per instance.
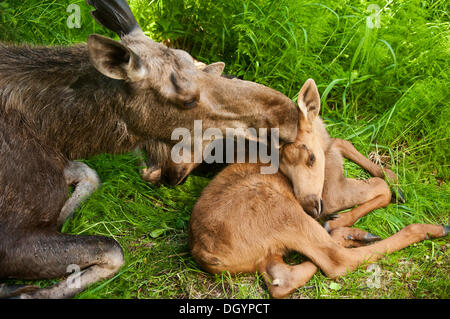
[311, 160]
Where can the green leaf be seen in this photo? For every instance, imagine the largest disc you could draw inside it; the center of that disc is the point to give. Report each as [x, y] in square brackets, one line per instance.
[158, 232]
[335, 286]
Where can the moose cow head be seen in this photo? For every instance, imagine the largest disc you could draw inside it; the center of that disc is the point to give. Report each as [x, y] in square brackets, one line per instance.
[169, 91]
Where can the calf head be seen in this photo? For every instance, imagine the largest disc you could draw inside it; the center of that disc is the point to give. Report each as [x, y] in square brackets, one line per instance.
[168, 91]
[303, 161]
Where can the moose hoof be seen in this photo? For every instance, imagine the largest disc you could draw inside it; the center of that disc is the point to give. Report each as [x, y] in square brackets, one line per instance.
[446, 229]
[15, 291]
[367, 238]
[370, 238]
[277, 282]
[326, 224]
[397, 196]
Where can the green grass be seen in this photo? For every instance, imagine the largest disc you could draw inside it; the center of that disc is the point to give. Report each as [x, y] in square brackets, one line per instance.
[385, 89]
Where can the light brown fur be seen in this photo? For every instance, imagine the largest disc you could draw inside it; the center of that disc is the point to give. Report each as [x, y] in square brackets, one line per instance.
[245, 221]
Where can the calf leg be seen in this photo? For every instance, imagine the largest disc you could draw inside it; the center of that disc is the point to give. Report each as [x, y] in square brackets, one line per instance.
[341, 193]
[86, 181]
[367, 194]
[334, 260]
[347, 149]
[407, 236]
[350, 152]
[283, 279]
[48, 254]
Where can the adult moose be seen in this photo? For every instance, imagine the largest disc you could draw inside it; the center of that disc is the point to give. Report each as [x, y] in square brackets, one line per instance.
[58, 104]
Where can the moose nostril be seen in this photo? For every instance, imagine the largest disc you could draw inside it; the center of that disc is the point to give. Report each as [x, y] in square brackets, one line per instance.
[318, 209]
[314, 211]
[312, 205]
[317, 206]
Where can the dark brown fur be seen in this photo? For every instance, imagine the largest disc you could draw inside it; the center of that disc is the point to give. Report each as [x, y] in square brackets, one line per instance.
[70, 105]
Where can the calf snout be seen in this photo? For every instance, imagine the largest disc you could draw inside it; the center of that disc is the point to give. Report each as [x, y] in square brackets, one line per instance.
[313, 206]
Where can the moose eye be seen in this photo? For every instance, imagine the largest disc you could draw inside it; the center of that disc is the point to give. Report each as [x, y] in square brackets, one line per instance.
[311, 160]
[190, 104]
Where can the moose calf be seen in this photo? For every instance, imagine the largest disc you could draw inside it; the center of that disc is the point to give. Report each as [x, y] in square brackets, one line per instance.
[245, 221]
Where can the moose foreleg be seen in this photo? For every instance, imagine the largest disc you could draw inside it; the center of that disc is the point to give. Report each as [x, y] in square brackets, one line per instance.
[86, 181]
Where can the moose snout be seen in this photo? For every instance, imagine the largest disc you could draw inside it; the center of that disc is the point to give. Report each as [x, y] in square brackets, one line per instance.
[313, 206]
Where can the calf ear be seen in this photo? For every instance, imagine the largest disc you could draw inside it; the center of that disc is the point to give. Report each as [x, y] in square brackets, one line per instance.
[214, 68]
[309, 100]
[114, 59]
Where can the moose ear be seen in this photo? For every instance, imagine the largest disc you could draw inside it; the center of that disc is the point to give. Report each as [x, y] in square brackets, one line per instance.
[214, 68]
[309, 100]
[114, 59]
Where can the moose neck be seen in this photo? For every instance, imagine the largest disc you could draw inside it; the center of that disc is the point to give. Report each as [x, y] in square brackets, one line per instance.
[65, 100]
[321, 131]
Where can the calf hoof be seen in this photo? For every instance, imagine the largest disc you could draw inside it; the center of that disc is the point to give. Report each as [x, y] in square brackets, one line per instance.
[353, 237]
[14, 291]
[446, 229]
[397, 196]
[332, 218]
[368, 238]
